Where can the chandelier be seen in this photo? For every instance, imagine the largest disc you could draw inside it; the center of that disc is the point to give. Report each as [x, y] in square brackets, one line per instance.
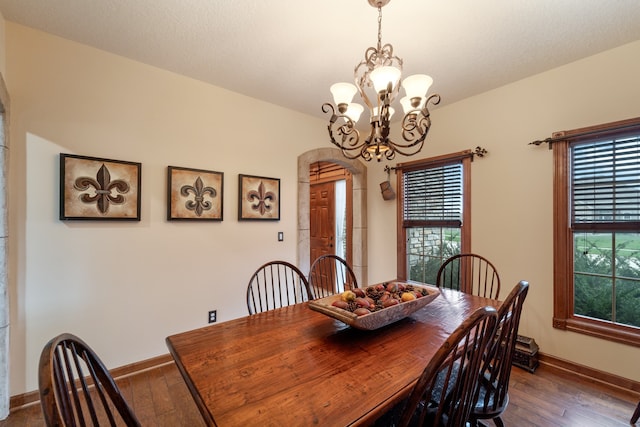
[377, 80]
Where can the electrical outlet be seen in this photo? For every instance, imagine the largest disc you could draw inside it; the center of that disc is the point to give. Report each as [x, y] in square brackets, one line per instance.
[212, 316]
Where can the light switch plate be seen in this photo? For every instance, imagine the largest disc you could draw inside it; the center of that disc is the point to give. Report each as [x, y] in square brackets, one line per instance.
[280, 236]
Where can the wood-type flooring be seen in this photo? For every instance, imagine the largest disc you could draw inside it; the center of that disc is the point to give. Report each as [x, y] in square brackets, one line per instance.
[547, 398]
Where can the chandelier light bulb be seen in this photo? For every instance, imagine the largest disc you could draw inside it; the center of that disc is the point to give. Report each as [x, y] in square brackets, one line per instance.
[343, 93]
[408, 104]
[417, 85]
[382, 76]
[353, 111]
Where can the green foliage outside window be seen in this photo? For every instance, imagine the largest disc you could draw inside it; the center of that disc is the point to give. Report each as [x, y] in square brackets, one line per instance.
[607, 277]
[428, 248]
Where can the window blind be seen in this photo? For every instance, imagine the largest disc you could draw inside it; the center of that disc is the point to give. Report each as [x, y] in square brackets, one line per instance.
[434, 194]
[605, 181]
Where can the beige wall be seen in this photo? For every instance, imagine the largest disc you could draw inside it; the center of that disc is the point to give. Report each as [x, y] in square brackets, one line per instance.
[512, 189]
[125, 286]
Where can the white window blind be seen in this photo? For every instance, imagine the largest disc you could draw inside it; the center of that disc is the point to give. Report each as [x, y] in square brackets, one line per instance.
[605, 182]
[433, 195]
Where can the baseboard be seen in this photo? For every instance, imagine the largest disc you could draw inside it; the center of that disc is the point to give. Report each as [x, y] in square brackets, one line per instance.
[138, 367]
[553, 362]
[33, 397]
[589, 373]
[24, 399]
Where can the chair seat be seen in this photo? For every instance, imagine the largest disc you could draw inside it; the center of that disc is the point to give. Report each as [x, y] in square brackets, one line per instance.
[439, 385]
[486, 405]
[390, 419]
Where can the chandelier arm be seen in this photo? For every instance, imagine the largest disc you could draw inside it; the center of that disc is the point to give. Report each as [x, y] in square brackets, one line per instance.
[433, 99]
[365, 154]
[416, 124]
[390, 154]
[346, 132]
[413, 147]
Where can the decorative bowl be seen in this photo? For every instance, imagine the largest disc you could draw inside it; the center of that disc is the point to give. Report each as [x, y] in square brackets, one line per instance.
[375, 319]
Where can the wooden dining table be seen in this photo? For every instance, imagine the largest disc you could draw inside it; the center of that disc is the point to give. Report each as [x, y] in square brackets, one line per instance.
[294, 366]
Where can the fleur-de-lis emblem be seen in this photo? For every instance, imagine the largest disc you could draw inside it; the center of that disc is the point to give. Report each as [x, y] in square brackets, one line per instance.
[198, 204]
[104, 187]
[263, 199]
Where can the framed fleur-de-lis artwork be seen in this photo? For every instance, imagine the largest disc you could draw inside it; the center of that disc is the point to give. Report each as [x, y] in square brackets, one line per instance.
[92, 188]
[194, 194]
[258, 198]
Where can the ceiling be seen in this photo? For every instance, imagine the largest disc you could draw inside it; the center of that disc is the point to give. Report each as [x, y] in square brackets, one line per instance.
[288, 52]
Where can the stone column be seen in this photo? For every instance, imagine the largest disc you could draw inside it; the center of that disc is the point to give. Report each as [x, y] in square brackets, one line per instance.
[4, 253]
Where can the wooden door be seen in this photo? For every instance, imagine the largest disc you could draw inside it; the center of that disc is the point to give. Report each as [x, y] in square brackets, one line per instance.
[322, 219]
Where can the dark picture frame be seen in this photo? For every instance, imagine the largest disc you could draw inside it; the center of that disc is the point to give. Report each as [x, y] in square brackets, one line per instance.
[93, 188]
[194, 194]
[258, 198]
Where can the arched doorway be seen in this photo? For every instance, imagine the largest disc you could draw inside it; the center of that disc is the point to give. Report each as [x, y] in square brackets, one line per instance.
[331, 209]
[359, 197]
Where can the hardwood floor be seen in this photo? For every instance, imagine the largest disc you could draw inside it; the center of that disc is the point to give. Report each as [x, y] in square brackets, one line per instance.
[553, 397]
[550, 397]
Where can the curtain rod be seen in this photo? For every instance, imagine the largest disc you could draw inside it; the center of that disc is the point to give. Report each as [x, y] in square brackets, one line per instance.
[479, 151]
[562, 135]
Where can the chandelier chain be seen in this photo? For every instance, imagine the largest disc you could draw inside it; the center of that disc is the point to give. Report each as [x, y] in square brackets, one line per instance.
[379, 28]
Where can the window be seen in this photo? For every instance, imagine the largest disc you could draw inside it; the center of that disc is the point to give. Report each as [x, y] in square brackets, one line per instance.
[597, 231]
[434, 213]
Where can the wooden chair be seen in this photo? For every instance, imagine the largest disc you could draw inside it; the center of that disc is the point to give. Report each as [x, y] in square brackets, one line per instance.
[493, 395]
[330, 274]
[470, 273]
[276, 284]
[636, 415]
[443, 395]
[76, 389]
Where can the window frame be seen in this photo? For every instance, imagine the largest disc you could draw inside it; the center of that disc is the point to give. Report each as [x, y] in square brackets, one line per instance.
[464, 157]
[563, 282]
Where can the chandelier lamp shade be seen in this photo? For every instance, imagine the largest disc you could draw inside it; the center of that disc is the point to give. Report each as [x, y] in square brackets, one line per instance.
[377, 80]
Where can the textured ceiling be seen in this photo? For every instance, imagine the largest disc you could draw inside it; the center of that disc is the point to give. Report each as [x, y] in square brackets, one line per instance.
[289, 52]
